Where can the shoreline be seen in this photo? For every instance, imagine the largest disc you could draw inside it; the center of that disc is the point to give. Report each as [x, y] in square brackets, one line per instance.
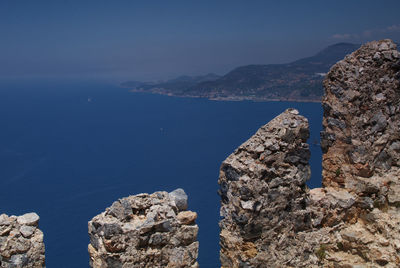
[232, 98]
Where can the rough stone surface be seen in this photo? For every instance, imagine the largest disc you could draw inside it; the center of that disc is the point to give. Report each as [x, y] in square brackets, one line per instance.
[361, 145]
[271, 219]
[21, 241]
[28, 219]
[145, 230]
[263, 196]
[362, 116]
[180, 198]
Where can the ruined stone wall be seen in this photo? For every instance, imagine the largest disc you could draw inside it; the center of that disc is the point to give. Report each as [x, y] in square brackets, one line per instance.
[271, 219]
[361, 115]
[21, 242]
[361, 145]
[263, 195]
[145, 230]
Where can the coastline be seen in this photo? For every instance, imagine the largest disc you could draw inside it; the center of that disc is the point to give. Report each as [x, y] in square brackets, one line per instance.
[230, 98]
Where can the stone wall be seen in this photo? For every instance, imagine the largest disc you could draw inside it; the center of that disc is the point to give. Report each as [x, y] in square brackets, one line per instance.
[145, 230]
[21, 241]
[361, 116]
[263, 195]
[271, 219]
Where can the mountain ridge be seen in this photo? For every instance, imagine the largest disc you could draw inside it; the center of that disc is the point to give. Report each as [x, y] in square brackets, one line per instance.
[300, 80]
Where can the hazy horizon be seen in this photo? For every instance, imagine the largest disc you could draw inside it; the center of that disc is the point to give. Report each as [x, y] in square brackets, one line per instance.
[157, 40]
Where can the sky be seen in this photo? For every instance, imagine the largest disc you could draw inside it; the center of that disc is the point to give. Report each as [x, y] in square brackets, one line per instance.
[156, 40]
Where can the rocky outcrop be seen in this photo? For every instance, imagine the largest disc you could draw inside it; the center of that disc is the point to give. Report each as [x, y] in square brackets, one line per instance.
[271, 219]
[145, 230]
[21, 241]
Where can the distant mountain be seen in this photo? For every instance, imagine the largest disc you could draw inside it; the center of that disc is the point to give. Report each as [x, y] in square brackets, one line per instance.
[300, 80]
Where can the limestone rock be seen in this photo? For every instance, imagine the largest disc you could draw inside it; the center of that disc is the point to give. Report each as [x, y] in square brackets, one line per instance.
[180, 198]
[187, 217]
[21, 242]
[145, 230]
[28, 219]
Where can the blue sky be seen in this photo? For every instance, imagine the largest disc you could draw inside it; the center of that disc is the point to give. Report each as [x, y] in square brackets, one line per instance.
[150, 40]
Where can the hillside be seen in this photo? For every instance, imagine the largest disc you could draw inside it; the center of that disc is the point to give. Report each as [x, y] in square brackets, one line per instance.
[300, 80]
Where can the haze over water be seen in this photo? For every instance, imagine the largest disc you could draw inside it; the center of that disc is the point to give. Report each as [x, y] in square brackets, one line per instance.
[153, 40]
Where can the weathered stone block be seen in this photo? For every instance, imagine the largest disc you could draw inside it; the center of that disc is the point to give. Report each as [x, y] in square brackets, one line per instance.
[145, 230]
[21, 242]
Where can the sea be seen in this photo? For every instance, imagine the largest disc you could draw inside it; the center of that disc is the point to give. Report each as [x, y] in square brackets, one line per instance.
[69, 149]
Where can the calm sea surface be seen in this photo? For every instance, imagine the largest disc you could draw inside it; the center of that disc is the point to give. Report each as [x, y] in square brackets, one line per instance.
[68, 150]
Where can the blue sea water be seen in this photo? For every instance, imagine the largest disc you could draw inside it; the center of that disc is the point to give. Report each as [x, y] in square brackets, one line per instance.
[68, 150]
